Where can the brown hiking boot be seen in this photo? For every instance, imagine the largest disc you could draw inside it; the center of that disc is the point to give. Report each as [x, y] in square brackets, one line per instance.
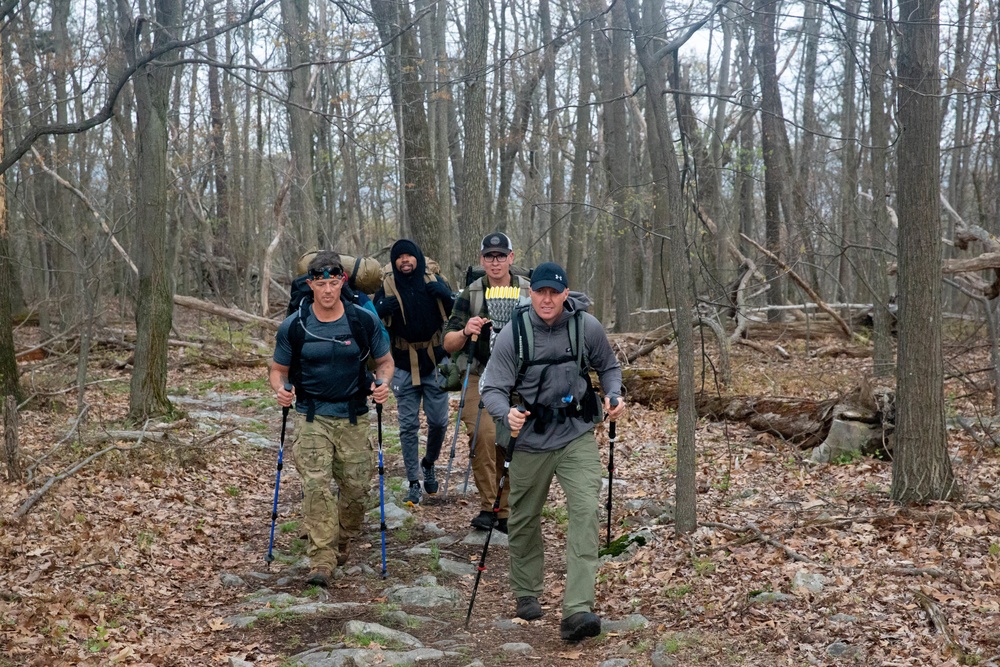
[343, 551]
[320, 576]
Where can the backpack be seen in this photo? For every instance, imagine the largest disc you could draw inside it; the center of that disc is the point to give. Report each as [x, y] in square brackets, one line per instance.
[588, 406]
[365, 272]
[363, 335]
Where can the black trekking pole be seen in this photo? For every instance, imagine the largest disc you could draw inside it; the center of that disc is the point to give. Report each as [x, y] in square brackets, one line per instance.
[458, 418]
[472, 449]
[277, 482]
[381, 481]
[496, 511]
[612, 434]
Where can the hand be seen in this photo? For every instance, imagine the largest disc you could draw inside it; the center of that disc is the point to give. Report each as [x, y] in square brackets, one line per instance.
[615, 411]
[516, 418]
[474, 326]
[380, 391]
[386, 306]
[439, 289]
[285, 395]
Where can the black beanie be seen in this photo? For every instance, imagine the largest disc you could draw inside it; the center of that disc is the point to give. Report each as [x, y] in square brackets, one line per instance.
[404, 247]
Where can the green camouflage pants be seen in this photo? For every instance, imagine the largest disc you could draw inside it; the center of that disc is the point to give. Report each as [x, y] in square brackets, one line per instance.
[332, 449]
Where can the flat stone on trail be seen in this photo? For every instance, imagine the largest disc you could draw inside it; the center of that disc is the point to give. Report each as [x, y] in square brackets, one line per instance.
[517, 648]
[456, 567]
[395, 516]
[423, 596]
[627, 624]
[381, 634]
[478, 538]
[363, 657]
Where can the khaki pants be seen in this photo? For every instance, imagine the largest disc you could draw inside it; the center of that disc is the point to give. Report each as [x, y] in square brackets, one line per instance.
[577, 466]
[332, 449]
[487, 462]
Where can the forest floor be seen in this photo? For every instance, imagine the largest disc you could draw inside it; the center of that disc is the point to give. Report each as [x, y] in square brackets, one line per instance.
[119, 562]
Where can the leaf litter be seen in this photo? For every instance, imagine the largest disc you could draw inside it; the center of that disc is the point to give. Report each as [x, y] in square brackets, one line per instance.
[120, 562]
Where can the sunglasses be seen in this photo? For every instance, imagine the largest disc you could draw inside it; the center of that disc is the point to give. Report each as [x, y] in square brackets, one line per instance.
[326, 272]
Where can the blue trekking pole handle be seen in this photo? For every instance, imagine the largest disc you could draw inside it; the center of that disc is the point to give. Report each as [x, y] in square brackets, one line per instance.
[277, 481]
[612, 435]
[381, 483]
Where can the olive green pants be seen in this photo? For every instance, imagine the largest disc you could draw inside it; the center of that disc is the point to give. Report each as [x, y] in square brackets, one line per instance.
[332, 449]
[577, 467]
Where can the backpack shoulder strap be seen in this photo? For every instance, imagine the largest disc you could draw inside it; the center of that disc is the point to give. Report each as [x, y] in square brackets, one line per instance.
[430, 277]
[577, 341]
[524, 341]
[477, 295]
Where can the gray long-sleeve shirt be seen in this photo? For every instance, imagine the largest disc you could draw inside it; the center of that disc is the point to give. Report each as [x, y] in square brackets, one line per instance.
[549, 385]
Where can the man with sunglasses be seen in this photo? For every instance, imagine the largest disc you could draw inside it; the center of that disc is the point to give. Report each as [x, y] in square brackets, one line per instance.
[496, 256]
[321, 351]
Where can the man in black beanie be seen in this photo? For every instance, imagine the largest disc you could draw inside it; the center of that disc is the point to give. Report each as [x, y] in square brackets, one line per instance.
[414, 306]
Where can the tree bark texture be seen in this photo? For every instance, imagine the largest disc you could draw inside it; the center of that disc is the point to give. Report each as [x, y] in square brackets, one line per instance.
[154, 251]
[921, 469]
[770, 124]
[402, 58]
[669, 216]
[12, 453]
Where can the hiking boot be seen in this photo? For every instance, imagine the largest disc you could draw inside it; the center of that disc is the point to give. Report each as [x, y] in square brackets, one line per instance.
[320, 576]
[430, 479]
[579, 626]
[413, 497]
[528, 608]
[483, 520]
[502, 525]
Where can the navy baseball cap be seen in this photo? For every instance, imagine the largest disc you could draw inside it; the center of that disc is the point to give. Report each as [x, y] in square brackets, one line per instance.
[496, 242]
[549, 274]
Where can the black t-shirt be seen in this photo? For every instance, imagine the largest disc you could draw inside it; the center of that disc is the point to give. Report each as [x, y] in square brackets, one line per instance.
[329, 360]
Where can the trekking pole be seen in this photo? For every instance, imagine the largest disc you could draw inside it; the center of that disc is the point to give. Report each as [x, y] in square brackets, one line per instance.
[496, 511]
[381, 481]
[472, 449]
[277, 482]
[612, 434]
[461, 405]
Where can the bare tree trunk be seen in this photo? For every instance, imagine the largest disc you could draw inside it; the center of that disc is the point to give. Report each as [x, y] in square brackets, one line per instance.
[155, 229]
[402, 58]
[612, 60]
[557, 184]
[12, 453]
[848, 159]
[302, 198]
[770, 119]
[669, 215]
[475, 207]
[882, 356]
[921, 469]
[581, 153]
[9, 382]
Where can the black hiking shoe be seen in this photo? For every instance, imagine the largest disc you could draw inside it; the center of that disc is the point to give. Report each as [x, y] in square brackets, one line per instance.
[430, 479]
[579, 626]
[502, 525]
[528, 608]
[483, 520]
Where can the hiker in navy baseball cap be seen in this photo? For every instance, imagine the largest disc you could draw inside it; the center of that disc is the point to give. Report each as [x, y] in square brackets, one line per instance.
[549, 274]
